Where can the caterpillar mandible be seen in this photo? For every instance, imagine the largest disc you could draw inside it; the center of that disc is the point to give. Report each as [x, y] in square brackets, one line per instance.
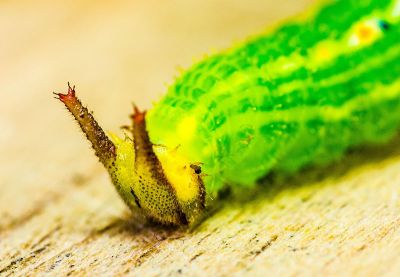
[297, 95]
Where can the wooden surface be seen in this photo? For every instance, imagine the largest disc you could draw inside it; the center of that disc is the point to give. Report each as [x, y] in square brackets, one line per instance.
[59, 214]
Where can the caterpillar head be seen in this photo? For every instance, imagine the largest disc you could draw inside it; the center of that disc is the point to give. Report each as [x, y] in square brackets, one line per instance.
[152, 179]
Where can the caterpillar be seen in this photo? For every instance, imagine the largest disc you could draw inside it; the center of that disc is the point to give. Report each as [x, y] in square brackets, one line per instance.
[296, 95]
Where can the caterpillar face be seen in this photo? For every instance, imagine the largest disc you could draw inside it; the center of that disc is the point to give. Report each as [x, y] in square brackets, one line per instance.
[150, 178]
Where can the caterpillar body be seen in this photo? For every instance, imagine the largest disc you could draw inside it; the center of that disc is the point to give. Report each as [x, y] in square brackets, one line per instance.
[299, 94]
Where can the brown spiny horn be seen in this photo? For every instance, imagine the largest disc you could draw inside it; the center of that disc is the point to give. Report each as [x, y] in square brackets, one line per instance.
[102, 145]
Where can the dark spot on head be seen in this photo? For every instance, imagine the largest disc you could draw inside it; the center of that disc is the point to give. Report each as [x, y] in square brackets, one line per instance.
[196, 168]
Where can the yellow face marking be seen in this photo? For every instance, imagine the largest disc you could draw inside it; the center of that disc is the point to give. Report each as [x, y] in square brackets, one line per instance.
[179, 173]
[187, 128]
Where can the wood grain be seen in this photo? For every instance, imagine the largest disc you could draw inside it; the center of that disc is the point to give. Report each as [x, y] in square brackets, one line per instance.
[59, 214]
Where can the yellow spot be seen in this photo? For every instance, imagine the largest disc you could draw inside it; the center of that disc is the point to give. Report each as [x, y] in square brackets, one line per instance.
[324, 52]
[365, 33]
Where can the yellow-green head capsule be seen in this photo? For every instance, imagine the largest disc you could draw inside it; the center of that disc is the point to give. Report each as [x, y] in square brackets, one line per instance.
[150, 178]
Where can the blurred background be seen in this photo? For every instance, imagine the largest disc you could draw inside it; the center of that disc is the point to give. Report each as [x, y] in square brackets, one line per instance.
[115, 52]
[59, 212]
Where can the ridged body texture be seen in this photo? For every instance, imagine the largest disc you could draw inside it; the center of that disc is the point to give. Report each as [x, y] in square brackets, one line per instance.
[299, 94]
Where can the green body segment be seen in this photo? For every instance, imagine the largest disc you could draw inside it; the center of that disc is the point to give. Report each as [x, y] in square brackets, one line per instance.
[297, 95]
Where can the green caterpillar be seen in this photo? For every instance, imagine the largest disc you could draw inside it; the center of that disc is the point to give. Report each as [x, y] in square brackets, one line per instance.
[299, 94]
